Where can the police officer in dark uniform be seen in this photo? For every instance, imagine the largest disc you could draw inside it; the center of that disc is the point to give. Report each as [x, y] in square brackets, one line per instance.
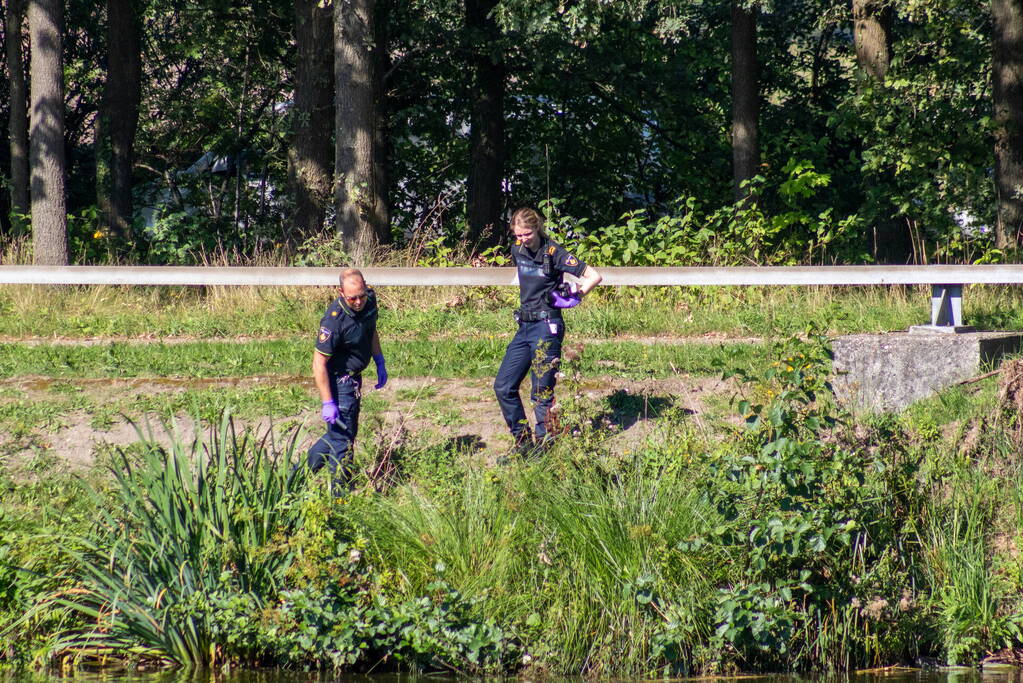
[346, 342]
[536, 346]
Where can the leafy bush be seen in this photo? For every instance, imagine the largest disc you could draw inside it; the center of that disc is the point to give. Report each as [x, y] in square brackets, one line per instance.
[802, 519]
[748, 232]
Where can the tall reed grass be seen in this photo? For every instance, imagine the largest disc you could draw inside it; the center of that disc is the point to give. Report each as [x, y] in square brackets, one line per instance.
[186, 521]
[972, 601]
[583, 562]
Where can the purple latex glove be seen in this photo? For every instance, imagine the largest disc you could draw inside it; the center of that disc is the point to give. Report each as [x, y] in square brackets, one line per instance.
[566, 296]
[329, 412]
[381, 371]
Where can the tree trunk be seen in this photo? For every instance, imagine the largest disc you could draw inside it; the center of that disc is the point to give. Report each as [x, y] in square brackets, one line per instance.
[361, 203]
[872, 34]
[46, 135]
[309, 157]
[1007, 71]
[486, 131]
[18, 113]
[382, 148]
[119, 116]
[745, 98]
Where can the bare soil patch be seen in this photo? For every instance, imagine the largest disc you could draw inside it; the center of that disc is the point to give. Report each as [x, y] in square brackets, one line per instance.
[459, 410]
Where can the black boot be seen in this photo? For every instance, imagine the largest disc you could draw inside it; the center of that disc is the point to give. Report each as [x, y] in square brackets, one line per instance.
[543, 444]
[524, 444]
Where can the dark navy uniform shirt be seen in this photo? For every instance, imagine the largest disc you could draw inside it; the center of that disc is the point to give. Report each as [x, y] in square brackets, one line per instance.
[346, 336]
[534, 287]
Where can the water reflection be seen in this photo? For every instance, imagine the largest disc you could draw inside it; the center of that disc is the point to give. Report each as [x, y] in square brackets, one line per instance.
[994, 674]
[991, 674]
[247, 676]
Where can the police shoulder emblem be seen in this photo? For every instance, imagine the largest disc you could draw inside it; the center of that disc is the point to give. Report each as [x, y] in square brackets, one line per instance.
[571, 261]
[324, 334]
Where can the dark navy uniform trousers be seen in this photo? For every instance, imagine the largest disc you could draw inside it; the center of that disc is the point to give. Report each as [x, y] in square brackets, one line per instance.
[334, 449]
[536, 349]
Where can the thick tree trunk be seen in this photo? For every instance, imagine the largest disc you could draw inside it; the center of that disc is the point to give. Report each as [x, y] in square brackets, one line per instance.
[46, 135]
[382, 148]
[309, 157]
[119, 117]
[745, 98]
[18, 113]
[872, 34]
[361, 203]
[486, 131]
[872, 37]
[1007, 72]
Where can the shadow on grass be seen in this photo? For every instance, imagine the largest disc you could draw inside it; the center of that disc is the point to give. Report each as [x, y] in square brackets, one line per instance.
[627, 409]
[469, 444]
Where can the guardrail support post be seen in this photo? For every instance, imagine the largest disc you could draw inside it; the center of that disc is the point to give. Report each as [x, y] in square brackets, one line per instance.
[947, 305]
[946, 311]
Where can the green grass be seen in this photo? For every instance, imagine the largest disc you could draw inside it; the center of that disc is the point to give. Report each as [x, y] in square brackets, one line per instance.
[19, 418]
[157, 312]
[572, 556]
[208, 404]
[470, 358]
[22, 417]
[974, 604]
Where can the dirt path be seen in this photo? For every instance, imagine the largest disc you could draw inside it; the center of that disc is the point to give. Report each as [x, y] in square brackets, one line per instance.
[649, 340]
[457, 410]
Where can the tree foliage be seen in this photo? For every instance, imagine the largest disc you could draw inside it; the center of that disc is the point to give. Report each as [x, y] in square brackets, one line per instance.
[608, 107]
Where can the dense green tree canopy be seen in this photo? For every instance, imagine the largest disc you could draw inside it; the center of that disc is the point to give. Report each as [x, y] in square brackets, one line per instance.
[608, 108]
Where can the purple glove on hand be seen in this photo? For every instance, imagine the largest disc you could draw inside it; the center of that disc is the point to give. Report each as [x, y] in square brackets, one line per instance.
[329, 412]
[381, 371]
[566, 296]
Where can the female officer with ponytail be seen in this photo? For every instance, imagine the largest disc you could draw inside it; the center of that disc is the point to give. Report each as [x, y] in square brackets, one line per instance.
[536, 346]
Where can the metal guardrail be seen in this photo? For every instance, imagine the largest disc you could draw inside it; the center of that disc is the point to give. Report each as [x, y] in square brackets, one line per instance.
[946, 281]
[419, 277]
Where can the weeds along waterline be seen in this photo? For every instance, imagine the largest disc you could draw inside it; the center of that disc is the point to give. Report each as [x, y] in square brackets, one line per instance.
[195, 518]
[977, 607]
[43, 511]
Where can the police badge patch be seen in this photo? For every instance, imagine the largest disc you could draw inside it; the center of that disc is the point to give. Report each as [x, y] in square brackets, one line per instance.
[571, 261]
[324, 334]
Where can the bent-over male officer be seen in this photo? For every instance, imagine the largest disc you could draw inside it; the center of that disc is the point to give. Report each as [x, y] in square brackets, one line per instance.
[346, 341]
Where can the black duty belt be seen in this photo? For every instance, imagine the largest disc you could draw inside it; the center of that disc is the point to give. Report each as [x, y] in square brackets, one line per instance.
[525, 315]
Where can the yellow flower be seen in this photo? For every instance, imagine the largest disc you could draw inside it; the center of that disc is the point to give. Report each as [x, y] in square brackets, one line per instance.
[97, 235]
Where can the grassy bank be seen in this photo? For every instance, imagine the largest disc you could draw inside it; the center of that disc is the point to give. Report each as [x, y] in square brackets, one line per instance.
[806, 540]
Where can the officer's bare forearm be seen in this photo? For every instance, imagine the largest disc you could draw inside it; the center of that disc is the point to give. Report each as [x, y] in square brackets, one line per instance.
[590, 279]
[320, 376]
[374, 344]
